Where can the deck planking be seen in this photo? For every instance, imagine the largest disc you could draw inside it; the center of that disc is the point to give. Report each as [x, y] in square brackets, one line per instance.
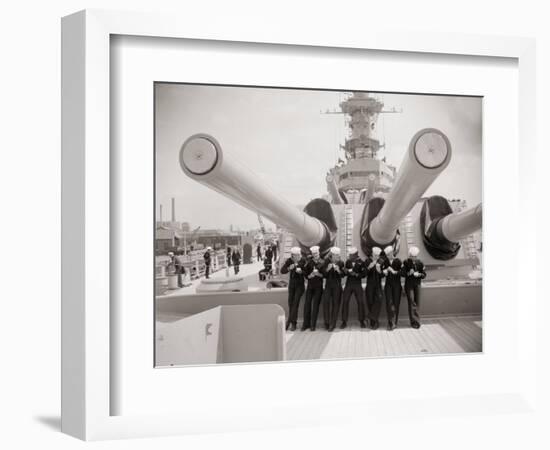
[435, 336]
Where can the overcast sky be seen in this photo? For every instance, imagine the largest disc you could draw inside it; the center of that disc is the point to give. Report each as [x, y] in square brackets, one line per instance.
[281, 135]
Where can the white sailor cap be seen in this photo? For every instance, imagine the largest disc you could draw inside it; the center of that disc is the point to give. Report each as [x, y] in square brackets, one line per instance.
[295, 251]
[170, 253]
[414, 251]
[314, 249]
[335, 250]
[208, 248]
[376, 251]
[353, 250]
[388, 250]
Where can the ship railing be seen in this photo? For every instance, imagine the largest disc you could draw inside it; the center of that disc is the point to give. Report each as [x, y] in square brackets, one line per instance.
[193, 264]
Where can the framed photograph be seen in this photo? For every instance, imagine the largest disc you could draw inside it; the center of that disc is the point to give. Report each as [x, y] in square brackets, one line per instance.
[232, 227]
[335, 263]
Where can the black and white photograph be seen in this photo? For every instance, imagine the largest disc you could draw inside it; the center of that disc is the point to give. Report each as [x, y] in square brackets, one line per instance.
[244, 225]
[301, 224]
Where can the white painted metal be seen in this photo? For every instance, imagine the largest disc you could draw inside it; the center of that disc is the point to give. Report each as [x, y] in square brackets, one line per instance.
[202, 158]
[428, 155]
[459, 225]
[217, 336]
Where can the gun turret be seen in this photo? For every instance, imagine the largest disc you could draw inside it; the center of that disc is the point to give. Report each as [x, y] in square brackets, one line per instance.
[202, 159]
[429, 153]
[459, 225]
[444, 229]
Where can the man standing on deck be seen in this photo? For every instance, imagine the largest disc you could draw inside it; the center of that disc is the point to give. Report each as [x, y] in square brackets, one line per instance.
[180, 267]
[207, 261]
[229, 252]
[375, 266]
[259, 252]
[295, 267]
[171, 264]
[333, 271]
[266, 271]
[414, 272]
[314, 291]
[355, 270]
[269, 252]
[236, 258]
[392, 288]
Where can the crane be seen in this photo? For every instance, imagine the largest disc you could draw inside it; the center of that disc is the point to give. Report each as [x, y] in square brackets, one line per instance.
[262, 225]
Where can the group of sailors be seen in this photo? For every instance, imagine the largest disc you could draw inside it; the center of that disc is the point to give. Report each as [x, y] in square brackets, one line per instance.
[321, 281]
[176, 263]
[270, 252]
[233, 259]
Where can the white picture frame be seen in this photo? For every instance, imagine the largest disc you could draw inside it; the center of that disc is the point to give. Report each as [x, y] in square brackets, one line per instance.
[88, 324]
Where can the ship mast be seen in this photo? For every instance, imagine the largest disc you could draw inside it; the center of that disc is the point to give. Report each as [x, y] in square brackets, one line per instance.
[362, 171]
[362, 111]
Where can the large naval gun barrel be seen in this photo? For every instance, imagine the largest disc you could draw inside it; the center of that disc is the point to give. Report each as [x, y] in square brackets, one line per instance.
[457, 226]
[202, 159]
[444, 229]
[429, 153]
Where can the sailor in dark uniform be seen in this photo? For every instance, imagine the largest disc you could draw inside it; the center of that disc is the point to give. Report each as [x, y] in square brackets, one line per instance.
[414, 272]
[392, 288]
[236, 259]
[266, 271]
[295, 267]
[375, 295]
[229, 251]
[333, 271]
[207, 261]
[268, 253]
[258, 252]
[172, 263]
[314, 291]
[355, 270]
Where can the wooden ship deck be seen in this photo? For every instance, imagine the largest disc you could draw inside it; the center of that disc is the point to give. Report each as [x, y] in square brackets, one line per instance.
[444, 335]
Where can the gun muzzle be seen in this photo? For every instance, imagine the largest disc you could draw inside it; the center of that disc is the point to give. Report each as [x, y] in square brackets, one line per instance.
[202, 159]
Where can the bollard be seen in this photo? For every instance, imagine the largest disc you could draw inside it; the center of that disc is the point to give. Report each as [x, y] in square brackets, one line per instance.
[172, 282]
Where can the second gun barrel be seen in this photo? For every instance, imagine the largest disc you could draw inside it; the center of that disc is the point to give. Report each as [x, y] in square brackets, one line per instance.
[429, 153]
